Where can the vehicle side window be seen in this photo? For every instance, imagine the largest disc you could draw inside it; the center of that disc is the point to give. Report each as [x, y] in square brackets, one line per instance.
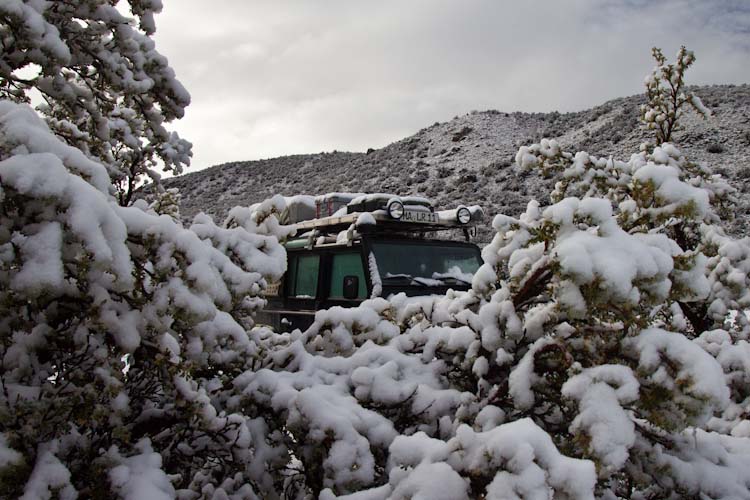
[346, 264]
[303, 275]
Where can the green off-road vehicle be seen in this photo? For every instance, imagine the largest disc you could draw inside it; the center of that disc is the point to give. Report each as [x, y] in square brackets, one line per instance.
[351, 247]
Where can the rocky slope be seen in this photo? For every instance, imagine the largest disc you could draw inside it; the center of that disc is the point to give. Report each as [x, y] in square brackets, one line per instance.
[470, 159]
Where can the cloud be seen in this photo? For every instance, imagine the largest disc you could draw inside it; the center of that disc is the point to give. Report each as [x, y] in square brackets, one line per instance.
[272, 78]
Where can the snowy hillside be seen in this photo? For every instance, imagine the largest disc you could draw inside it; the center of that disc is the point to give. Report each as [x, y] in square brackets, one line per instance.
[470, 158]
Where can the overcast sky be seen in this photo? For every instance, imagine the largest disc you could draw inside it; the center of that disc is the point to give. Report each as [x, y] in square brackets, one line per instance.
[278, 77]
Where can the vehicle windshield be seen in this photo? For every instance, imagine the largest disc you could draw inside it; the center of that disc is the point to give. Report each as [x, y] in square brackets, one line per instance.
[430, 264]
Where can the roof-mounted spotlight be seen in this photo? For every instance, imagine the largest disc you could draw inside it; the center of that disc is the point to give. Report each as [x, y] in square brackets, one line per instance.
[463, 215]
[396, 209]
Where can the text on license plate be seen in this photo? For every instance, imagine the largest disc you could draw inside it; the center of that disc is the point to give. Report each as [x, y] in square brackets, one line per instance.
[421, 217]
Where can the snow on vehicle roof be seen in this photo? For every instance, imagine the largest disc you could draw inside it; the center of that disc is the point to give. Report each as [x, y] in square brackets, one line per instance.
[338, 196]
[406, 200]
[301, 199]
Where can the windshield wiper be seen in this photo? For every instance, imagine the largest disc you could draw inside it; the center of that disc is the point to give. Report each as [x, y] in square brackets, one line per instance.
[412, 280]
[427, 281]
[446, 277]
[391, 277]
[456, 279]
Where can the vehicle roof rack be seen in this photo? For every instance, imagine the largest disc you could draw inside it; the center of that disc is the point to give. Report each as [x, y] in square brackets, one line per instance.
[383, 213]
[382, 222]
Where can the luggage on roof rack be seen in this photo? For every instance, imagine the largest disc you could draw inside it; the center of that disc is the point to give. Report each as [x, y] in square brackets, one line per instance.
[381, 221]
[384, 212]
[330, 203]
[380, 201]
[298, 208]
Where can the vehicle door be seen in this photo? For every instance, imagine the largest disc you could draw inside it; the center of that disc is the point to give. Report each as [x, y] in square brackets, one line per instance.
[346, 283]
[301, 289]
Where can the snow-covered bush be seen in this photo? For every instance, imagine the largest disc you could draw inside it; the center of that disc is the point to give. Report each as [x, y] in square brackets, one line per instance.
[121, 330]
[666, 95]
[105, 88]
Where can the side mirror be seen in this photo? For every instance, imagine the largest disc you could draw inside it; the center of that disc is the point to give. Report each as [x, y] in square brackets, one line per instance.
[351, 287]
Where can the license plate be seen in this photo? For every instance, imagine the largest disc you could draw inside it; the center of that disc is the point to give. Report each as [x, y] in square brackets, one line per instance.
[419, 217]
